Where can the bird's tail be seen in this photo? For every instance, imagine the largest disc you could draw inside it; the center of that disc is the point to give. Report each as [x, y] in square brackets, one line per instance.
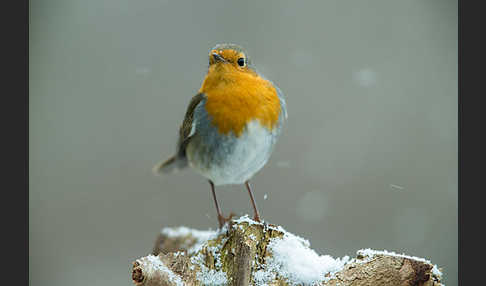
[171, 165]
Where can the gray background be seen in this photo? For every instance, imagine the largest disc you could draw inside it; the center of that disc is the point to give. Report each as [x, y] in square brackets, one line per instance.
[368, 157]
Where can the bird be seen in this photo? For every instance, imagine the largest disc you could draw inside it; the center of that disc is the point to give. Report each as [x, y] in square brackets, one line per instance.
[230, 126]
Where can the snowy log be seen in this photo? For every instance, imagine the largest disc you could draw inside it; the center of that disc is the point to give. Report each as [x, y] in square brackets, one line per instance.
[245, 252]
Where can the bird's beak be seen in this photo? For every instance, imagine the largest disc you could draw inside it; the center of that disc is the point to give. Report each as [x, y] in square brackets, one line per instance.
[218, 58]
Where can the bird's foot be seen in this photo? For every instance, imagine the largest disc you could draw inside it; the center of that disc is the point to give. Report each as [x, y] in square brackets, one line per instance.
[223, 220]
[256, 218]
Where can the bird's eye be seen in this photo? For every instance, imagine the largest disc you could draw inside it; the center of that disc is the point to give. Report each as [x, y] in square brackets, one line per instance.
[241, 62]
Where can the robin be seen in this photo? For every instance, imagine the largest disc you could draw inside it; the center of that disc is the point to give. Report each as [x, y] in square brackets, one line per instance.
[231, 125]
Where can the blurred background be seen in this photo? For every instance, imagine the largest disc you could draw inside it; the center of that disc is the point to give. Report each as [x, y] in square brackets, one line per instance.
[367, 159]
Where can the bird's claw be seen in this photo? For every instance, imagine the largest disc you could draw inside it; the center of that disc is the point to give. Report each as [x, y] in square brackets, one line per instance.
[223, 220]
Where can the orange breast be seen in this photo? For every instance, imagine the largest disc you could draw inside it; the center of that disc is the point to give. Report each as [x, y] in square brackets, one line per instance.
[236, 97]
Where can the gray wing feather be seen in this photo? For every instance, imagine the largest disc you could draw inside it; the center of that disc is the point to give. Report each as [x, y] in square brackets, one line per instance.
[187, 128]
[186, 131]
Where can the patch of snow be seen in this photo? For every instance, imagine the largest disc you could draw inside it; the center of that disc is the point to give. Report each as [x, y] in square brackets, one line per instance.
[293, 259]
[248, 220]
[370, 253]
[216, 252]
[201, 236]
[159, 266]
[263, 277]
[181, 253]
[209, 276]
[277, 228]
[184, 231]
[212, 277]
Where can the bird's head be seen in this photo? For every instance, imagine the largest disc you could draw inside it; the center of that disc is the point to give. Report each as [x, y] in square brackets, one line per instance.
[230, 56]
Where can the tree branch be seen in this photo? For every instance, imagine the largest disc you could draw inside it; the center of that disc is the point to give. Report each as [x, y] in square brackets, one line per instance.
[249, 253]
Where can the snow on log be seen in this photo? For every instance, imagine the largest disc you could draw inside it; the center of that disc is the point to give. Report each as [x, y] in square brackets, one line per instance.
[245, 252]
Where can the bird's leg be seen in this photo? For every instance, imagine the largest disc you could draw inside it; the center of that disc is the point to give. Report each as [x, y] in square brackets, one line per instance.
[255, 210]
[221, 219]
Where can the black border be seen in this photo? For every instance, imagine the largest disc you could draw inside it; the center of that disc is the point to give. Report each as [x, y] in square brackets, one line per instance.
[472, 126]
[14, 118]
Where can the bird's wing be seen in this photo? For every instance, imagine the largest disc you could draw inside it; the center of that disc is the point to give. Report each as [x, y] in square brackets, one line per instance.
[188, 127]
[283, 104]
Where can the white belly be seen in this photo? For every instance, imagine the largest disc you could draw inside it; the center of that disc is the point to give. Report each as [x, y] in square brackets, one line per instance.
[230, 160]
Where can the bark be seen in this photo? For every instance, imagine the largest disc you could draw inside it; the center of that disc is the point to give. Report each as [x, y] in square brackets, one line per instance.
[241, 248]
